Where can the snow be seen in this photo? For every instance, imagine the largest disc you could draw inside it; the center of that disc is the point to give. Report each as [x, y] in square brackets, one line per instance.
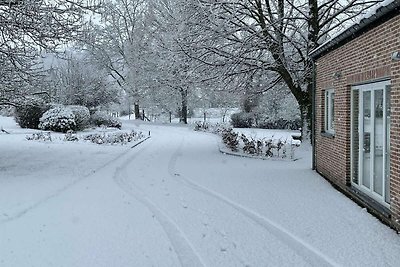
[175, 200]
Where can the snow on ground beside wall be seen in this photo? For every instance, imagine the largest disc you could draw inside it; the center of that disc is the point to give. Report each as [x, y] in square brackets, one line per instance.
[174, 200]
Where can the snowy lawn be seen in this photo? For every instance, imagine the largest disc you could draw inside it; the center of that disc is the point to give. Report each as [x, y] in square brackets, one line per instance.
[36, 170]
[175, 200]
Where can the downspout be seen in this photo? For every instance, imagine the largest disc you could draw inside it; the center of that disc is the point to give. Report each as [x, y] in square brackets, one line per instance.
[313, 113]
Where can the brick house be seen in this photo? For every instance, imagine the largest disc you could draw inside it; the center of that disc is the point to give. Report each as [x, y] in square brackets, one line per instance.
[357, 112]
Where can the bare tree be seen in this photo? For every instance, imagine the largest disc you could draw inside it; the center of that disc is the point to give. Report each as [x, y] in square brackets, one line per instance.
[120, 42]
[269, 36]
[78, 82]
[29, 27]
[177, 72]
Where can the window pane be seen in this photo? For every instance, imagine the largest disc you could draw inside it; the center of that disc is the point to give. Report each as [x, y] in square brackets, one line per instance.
[387, 163]
[355, 135]
[378, 142]
[366, 175]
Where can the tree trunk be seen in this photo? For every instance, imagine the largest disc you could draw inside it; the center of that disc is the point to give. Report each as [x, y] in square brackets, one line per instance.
[184, 108]
[137, 111]
[305, 105]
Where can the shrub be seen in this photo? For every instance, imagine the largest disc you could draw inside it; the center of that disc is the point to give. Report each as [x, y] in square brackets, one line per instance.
[242, 120]
[71, 136]
[58, 119]
[40, 136]
[230, 139]
[114, 138]
[101, 118]
[82, 116]
[28, 113]
[294, 124]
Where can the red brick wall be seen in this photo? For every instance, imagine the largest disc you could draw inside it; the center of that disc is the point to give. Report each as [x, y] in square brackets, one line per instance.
[365, 58]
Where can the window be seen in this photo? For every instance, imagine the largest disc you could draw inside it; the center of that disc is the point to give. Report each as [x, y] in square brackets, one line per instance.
[330, 111]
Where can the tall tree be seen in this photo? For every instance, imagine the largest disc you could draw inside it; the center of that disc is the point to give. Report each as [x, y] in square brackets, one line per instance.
[78, 82]
[29, 27]
[270, 36]
[119, 42]
[176, 70]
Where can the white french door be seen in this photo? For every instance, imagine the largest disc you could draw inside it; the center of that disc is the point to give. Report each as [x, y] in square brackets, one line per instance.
[370, 135]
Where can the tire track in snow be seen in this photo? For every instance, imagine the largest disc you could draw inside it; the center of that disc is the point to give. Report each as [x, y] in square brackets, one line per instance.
[185, 251]
[304, 249]
[66, 187]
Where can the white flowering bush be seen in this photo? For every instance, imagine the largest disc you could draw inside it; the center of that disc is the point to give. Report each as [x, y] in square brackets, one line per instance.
[58, 119]
[82, 116]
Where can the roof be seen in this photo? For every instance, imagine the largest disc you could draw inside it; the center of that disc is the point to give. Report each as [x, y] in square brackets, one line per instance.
[379, 13]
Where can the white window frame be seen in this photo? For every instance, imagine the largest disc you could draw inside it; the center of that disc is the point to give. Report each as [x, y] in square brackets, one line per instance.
[329, 111]
[383, 199]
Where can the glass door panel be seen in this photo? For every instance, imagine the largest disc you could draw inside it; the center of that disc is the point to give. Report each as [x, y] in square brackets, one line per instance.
[366, 139]
[387, 144]
[355, 136]
[379, 140]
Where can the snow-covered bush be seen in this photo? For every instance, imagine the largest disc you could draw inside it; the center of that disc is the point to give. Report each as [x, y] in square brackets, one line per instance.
[71, 136]
[270, 148]
[249, 145]
[242, 120]
[28, 113]
[280, 123]
[82, 116]
[58, 119]
[230, 139]
[42, 136]
[7, 111]
[114, 138]
[215, 128]
[101, 118]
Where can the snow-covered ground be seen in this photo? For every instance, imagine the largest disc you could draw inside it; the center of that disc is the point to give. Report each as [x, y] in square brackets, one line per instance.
[174, 200]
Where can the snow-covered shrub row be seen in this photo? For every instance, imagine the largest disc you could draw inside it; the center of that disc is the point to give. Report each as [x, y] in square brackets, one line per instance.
[230, 139]
[250, 119]
[294, 124]
[28, 113]
[58, 119]
[42, 136]
[242, 120]
[114, 138]
[216, 128]
[101, 118]
[71, 136]
[266, 148]
[82, 116]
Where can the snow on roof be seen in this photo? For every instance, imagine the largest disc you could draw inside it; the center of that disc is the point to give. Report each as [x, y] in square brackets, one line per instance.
[374, 13]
